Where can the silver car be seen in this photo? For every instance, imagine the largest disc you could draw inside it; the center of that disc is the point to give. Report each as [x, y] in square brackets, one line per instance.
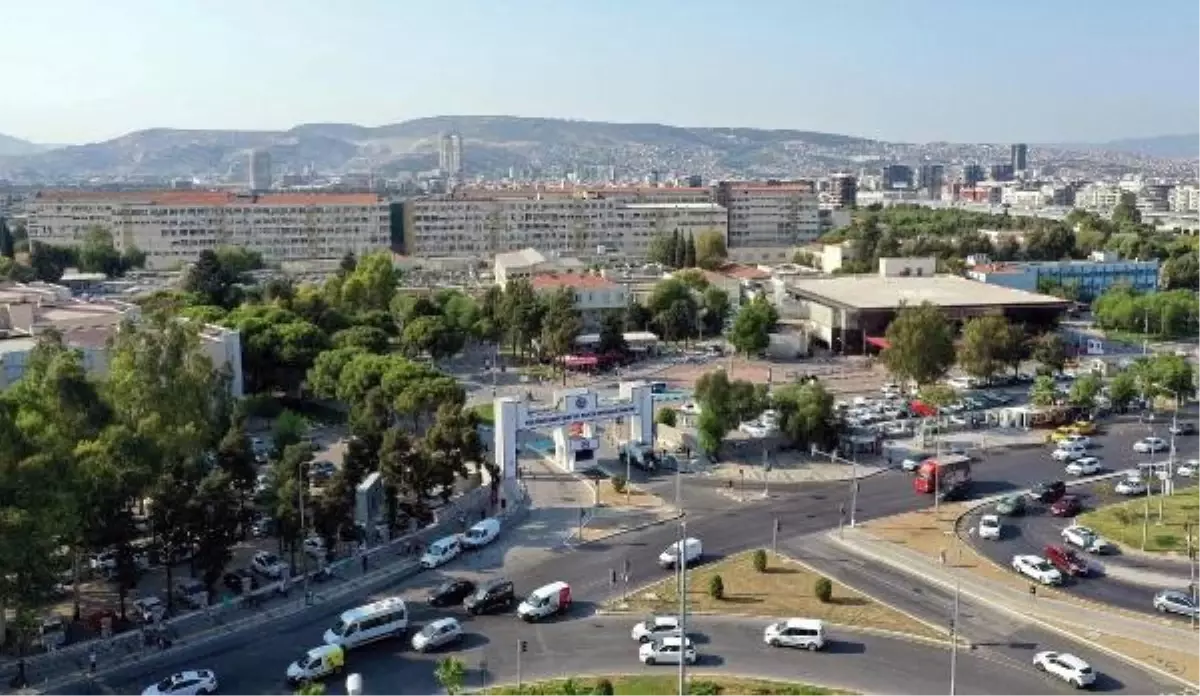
[437, 633]
[1176, 602]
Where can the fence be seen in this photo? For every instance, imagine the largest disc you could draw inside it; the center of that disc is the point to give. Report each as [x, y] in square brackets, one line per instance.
[387, 563]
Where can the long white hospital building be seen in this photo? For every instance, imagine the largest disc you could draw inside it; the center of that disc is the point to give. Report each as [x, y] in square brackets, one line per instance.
[173, 227]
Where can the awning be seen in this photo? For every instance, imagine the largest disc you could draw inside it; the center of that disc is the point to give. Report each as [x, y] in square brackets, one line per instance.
[581, 361]
[879, 342]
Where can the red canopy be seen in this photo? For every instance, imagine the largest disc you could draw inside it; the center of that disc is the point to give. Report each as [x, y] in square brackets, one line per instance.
[879, 342]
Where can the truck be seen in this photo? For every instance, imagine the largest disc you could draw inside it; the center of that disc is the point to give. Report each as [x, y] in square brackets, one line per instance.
[947, 475]
[639, 455]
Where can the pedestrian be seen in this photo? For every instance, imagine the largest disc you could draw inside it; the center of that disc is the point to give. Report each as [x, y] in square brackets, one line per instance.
[365, 563]
[92, 660]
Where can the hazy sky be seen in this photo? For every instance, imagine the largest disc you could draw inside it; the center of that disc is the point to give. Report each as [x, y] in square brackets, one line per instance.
[918, 70]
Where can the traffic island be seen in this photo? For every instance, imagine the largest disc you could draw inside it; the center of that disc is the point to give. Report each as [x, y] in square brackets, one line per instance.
[620, 508]
[925, 544]
[785, 588]
[649, 685]
[1135, 524]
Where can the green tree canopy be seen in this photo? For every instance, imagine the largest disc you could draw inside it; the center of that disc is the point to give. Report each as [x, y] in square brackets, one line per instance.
[752, 327]
[921, 344]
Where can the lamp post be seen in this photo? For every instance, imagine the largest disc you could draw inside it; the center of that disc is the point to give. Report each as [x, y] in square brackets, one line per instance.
[853, 485]
[681, 563]
[301, 484]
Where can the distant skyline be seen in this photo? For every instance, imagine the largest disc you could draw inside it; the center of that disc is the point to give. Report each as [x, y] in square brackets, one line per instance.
[917, 71]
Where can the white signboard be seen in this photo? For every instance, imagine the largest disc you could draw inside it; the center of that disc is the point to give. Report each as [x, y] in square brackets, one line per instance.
[553, 419]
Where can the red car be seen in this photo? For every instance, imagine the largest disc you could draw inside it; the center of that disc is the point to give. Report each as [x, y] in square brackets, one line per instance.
[1067, 561]
[1066, 506]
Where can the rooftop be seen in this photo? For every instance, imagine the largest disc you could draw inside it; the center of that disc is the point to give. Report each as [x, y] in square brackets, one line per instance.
[743, 272]
[547, 281]
[205, 198]
[524, 257]
[876, 292]
[674, 206]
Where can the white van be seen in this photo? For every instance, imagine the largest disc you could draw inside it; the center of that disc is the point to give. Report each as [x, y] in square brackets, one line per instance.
[317, 663]
[692, 550]
[796, 633]
[549, 599]
[482, 533]
[383, 619]
[442, 551]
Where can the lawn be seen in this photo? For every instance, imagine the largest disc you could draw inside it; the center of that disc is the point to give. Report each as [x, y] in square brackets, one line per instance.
[662, 684]
[785, 590]
[1122, 522]
[486, 413]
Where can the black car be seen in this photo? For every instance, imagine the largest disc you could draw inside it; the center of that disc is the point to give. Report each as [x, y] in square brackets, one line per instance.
[234, 580]
[491, 596]
[450, 593]
[1048, 491]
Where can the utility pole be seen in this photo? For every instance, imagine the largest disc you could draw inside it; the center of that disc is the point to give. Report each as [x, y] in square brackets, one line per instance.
[303, 483]
[520, 649]
[854, 486]
[678, 485]
[766, 471]
[775, 536]
[683, 636]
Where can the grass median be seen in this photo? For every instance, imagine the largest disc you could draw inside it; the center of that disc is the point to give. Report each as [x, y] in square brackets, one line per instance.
[1124, 522]
[650, 685]
[785, 589]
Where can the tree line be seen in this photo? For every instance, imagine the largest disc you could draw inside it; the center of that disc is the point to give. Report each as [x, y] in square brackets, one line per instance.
[704, 250]
[47, 262]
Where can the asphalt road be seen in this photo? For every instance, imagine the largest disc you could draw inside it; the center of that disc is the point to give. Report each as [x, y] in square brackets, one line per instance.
[601, 645]
[580, 643]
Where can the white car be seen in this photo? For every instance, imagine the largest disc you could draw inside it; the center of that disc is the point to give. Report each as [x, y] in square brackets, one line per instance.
[1086, 538]
[1176, 602]
[1188, 469]
[1084, 466]
[437, 633]
[667, 651]
[1149, 444]
[315, 547]
[268, 564]
[1077, 440]
[1130, 486]
[1067, 453]
[1037, 568]
[1065, 666]
[910, 465]
[989, 527]
[189, 683]
[655, 627]
[795, 633]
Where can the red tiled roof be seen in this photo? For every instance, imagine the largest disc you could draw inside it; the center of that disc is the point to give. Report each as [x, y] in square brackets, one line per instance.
[208, 198]
[546, 281]
[743, 272]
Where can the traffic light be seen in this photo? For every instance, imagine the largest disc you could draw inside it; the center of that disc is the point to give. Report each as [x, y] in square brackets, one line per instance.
[612, 576]
[524, 646]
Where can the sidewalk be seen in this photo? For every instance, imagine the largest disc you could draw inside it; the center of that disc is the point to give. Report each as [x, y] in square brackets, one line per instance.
[386, 563]
[1150, 642]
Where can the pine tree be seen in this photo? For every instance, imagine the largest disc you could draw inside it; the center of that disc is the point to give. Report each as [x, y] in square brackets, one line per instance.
[680, 250]
[7, 244]
[689, 252]
[676, 249]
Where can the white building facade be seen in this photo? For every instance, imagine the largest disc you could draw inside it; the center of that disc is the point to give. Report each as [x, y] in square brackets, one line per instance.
[173, 227]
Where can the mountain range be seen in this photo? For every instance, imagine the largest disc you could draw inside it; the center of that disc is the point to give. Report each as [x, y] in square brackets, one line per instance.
[492, 145]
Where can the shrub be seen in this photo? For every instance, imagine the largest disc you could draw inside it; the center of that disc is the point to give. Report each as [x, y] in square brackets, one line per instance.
[760, 560]
[666, 416]
[704, 687]
[604, 687]
[823, 589]
[716, 587]
[619, 483]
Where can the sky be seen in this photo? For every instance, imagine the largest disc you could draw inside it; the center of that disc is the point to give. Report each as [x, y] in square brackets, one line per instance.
[1036, 71]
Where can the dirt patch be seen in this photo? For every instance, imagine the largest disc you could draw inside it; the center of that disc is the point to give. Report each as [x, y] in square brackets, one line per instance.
[785, 590]
[631, 497]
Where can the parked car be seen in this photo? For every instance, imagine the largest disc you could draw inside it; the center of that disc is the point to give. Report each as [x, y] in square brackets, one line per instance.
[268, 564]
[1066, 561]
[1084, 466]
[236, 580]
[1176, 602]
[1150, 444]
[1065, 666]
[149, 609]
[191, 593]
[990, 527]
[1066, 506]
[1037, 568]
[1086, 539]
[450, 593]
[1048, 491]
[1011, 505]
[1130, 486]
[436, 634]
[315, 547]
[654, 627]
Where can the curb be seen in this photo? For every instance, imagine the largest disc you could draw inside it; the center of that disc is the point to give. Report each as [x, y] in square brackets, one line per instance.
[692, 672]
[619, 532]
[1026, 616]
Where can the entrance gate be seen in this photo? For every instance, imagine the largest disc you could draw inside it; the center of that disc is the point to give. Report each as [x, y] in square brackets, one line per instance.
[634, 403]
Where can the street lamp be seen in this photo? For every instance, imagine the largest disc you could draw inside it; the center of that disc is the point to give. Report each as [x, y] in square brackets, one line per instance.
[681, 565]
[301, 485]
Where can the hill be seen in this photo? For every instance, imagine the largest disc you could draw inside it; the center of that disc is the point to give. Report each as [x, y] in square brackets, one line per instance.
[10, 146]
[493, 145]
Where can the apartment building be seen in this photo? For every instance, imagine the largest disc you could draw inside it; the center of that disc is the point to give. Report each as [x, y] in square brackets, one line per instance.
[772, 214]
[1102, 271]
[483, 223]
[1098, 196]
[1184, 199]
[28, 310]
[173, 227]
